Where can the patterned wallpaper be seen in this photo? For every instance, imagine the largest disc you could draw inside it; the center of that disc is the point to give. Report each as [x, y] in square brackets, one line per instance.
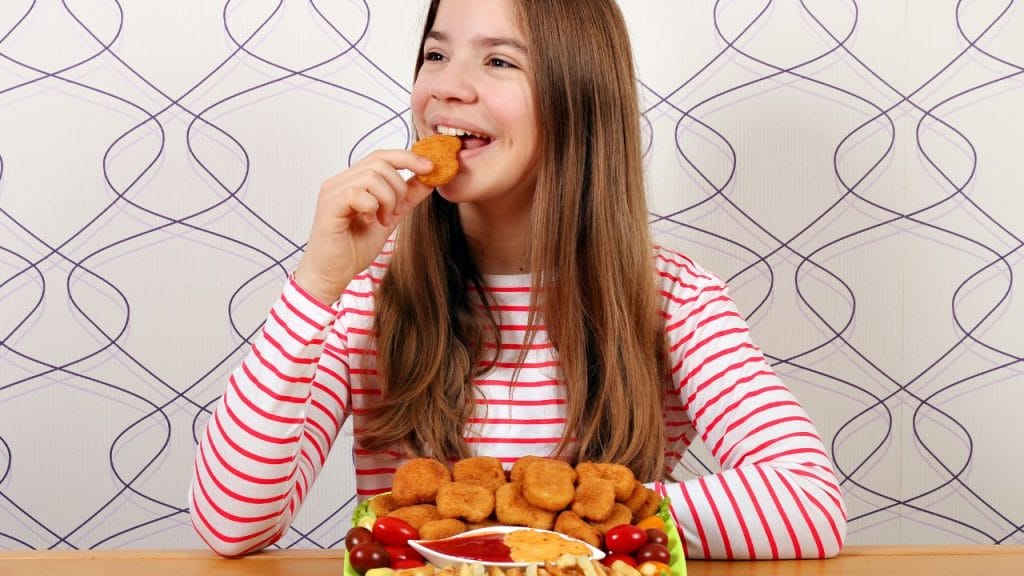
[853, 168]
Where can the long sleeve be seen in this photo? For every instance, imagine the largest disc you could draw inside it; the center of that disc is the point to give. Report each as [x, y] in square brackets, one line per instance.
[776, 495]
[269, 435]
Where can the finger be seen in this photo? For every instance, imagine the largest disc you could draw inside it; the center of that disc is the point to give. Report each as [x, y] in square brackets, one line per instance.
[397, 184]
[364, 205]
[400, 160]
[387, 197]
[416, 192]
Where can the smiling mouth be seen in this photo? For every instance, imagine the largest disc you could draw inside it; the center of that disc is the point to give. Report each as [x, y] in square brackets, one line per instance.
[470, 140]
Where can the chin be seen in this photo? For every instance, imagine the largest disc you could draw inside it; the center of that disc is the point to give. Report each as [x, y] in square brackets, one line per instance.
[454, 191]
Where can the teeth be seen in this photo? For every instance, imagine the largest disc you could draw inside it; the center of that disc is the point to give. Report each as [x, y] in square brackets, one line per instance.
[449, 131]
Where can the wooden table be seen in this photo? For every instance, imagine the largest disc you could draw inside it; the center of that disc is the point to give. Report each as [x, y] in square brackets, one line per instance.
[854, 561]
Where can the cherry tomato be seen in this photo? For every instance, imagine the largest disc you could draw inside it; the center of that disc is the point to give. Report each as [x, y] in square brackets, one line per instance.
[406, 564]
[368, 555]
[611, 558]
[652, 567]
[394, 531]
[625, 539]
[402, 553]
[357, 536]
[655, 552]
[657, 536]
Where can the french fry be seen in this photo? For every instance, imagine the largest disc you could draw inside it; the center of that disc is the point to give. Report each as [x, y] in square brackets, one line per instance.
[565, 561]
[586, 566]
[426, 570]
[620, 567]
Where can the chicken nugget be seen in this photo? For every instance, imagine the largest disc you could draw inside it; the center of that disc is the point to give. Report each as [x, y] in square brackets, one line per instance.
[519, 467]
[512, 508]
[621, 514]
[417, 515]
[417, 481]
[549, 484]
[595, 498]
[620, 476]
[652, 502]
[469, 502]
[382, 504]
[481, 470]
[486, 523]
[437, 529]
[637, 497]
[570, 524]
[443, 151]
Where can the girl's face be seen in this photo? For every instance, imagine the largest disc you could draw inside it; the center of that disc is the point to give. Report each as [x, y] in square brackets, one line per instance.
[476, 80]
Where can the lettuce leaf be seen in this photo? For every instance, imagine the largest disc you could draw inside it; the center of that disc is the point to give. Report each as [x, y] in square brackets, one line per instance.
[675, 543]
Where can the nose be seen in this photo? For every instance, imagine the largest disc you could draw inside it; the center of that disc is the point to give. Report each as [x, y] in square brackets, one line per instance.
[453, 82]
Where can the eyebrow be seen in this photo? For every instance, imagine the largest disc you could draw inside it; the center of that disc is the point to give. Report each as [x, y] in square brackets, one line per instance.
[486, 41]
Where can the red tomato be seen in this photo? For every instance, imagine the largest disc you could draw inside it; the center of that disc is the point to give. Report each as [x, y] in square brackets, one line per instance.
[357, 536]
[368, 555]
[405, 564]
[625, 539]
[611, 558]
[655, 552]
[402, 553]
[394, 531]
[656, 536]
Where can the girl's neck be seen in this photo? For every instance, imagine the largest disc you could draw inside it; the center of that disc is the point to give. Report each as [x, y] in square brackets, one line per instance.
[498, 242]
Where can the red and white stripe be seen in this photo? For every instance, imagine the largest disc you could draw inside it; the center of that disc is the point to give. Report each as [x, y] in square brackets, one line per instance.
[315, 366]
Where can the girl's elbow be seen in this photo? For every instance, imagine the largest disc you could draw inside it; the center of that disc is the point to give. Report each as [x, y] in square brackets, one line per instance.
[228, 549]
[224, 544]
[833, 548]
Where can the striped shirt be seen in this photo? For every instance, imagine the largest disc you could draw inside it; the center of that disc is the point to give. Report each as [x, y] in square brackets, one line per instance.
[314, 366]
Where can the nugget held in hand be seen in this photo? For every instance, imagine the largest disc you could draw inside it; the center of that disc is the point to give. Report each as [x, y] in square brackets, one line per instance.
[418, 480]
[442, 151]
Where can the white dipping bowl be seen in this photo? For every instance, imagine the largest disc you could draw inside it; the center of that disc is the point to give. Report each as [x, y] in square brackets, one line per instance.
[441, 560]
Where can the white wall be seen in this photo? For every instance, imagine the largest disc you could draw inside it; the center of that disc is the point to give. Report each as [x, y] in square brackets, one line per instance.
[852, 167]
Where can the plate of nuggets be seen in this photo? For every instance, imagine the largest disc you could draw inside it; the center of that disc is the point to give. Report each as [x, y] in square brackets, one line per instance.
[581, 502]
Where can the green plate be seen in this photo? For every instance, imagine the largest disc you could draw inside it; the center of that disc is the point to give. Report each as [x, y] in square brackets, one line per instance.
[675, 544]
[678, 565]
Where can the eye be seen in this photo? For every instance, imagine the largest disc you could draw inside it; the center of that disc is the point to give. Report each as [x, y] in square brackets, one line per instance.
[497, 62]
[433, 56]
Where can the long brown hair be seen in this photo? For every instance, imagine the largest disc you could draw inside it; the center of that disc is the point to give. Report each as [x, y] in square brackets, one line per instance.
[590, 256]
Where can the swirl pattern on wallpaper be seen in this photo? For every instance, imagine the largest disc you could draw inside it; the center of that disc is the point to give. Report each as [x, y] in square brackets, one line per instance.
[846, 165]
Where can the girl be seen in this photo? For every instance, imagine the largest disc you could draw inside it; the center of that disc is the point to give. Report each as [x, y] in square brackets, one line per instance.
[520, 309]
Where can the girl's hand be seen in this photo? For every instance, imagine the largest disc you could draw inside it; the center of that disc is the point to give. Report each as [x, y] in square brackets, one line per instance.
[356, 212]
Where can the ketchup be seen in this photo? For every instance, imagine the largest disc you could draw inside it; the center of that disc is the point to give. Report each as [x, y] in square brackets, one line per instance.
[488, 547]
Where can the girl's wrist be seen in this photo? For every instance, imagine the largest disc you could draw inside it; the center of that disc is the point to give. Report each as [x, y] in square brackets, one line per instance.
[325, 292]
